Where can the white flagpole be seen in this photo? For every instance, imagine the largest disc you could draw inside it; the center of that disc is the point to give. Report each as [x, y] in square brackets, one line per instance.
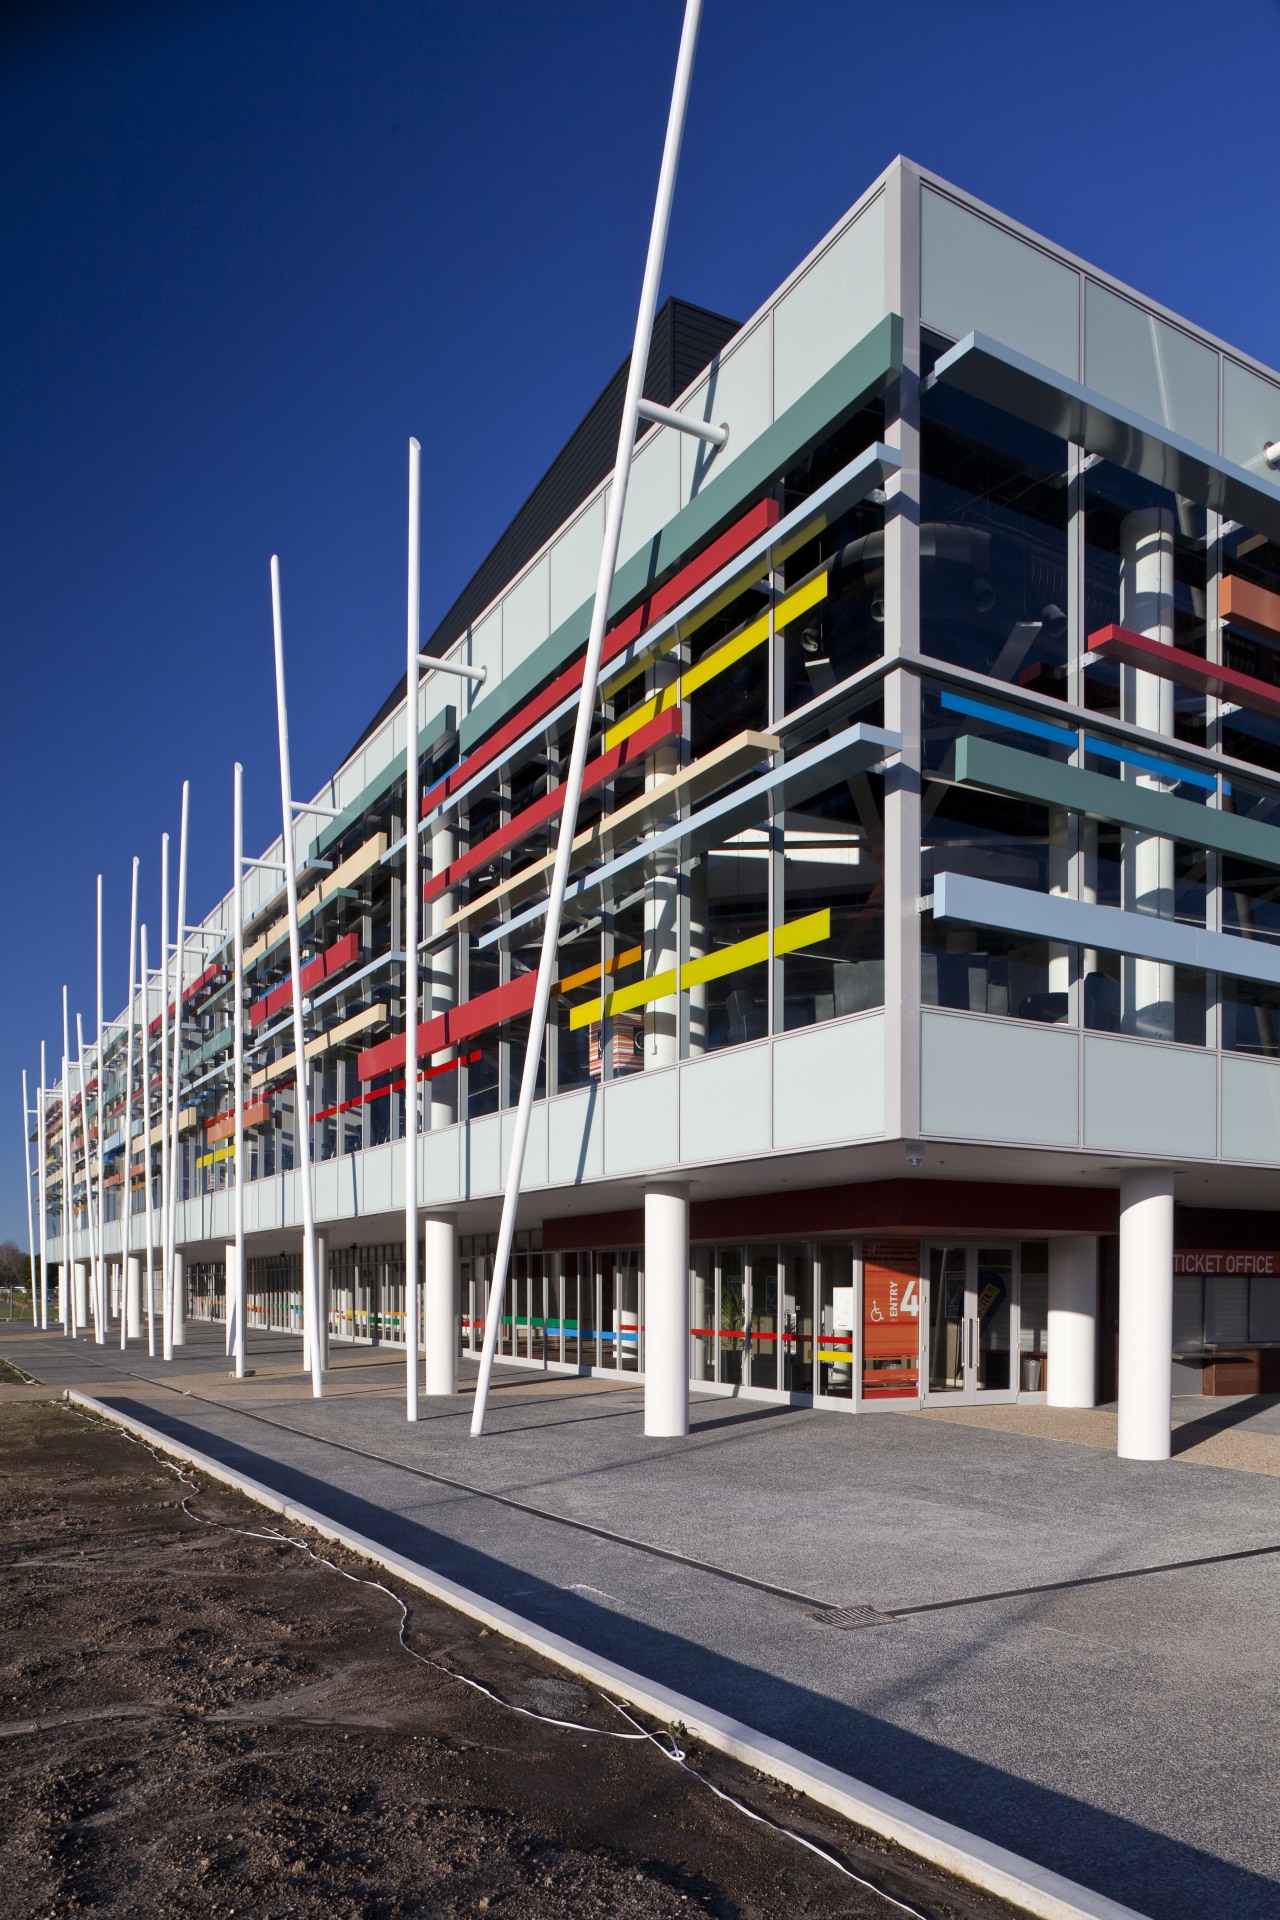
[68, 1175]
[31, 1232]
[84, 1141]
[43, 1187]
[412, 907]
[586, 701]
[149, 1226]
[165, 1343]
[171, 1223]
[302, 1106]
[102, 1301]
[237, 1069]
[126, 1219]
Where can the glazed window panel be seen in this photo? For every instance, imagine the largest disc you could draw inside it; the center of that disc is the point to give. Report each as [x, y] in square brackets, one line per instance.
[1146, 568]
[983, 969]
[843, 630]
[833, 883]
[1124, 993]
[993, 544]
[725, 975]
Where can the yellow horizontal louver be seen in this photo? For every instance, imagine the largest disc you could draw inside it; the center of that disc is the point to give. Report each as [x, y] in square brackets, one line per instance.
[808, 931]
[720, 659]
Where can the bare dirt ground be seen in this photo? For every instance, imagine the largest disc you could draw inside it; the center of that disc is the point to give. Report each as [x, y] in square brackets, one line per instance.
[193, 1722]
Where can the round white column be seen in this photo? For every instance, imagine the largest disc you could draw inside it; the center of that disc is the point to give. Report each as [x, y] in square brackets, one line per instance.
[440, 1303]
[133, 1297]
[179, 1299]
[1145, 1392]
[1146, 607]
[82, 1295]
[666, 1312]
[1073, 1321]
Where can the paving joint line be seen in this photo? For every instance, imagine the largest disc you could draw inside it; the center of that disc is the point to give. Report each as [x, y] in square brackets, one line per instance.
[1034, 1889]
[828, 1613]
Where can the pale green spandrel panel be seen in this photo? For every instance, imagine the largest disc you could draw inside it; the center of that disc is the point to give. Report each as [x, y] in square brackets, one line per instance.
[526, 615]
[738, 391]
[1149, 366]
[1250, 418]
[653, 490]
[998, 1080]
[724, 1105]
[482, 1156]
[1150, 1099]
[976, 277]
[575, 1138]
[438, 1162]
[828, 1083]
[1251, 1110]
[836, 302]
[485, 650]
[575, 562]
[642, 1122]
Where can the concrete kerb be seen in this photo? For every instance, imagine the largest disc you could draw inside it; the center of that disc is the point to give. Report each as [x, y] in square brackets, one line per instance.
[1024, 1884]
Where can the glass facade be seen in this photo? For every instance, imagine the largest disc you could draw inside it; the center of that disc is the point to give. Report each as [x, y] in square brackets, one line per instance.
[1088, 661]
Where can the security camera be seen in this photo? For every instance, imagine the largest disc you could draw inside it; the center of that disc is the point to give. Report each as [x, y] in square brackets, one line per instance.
[915, 1154]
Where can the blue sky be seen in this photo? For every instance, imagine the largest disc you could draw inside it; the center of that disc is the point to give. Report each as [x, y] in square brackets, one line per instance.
[249, 248]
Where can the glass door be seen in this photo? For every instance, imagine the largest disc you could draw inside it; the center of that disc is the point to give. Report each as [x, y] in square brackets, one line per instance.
[970, 1324]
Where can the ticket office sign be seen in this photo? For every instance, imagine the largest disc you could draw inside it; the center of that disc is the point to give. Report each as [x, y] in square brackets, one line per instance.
[1209, 1262]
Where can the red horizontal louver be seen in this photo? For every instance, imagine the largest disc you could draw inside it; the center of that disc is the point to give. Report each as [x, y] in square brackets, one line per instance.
[665, 727]
[761, 517]
[341, 954]
[449, 1029]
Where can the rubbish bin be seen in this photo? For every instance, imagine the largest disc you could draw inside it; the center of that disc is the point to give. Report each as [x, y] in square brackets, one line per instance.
[1032, 1372]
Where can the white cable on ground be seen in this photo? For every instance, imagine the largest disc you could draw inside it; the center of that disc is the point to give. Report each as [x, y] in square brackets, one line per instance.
[665, 1741]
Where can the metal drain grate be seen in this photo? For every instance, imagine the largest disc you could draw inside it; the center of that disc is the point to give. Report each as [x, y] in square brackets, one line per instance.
[850, 1617]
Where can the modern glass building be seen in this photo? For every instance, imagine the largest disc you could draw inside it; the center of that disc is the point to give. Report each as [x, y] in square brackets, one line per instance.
[920, 974]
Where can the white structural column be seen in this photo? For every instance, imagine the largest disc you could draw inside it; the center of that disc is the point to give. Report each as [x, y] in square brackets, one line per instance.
[1073, 1321]
[133, 1297]
[80, 1305]
[587, 698]
[1145, 1390]
[666, 1311]
[302, 1105]
[443, 965]
[1146, 607]
[230, 1297]
[661, 918]
[165, 1342]
[440, 1302]
[179, 1298]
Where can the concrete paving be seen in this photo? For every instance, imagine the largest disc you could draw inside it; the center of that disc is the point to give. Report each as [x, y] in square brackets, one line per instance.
[1122, 1733]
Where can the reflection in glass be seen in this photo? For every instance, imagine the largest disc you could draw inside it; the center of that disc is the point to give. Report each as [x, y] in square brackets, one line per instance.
[946, 1319]
[993, 543]
[835, 1314]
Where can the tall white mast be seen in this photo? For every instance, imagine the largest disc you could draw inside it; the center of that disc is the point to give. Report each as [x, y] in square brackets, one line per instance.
[587, 698]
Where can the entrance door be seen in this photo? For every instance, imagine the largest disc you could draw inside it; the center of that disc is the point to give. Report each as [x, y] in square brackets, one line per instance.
[969, 1324]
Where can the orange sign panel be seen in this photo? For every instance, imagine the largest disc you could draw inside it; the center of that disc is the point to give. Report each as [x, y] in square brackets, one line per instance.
[890, 1318]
